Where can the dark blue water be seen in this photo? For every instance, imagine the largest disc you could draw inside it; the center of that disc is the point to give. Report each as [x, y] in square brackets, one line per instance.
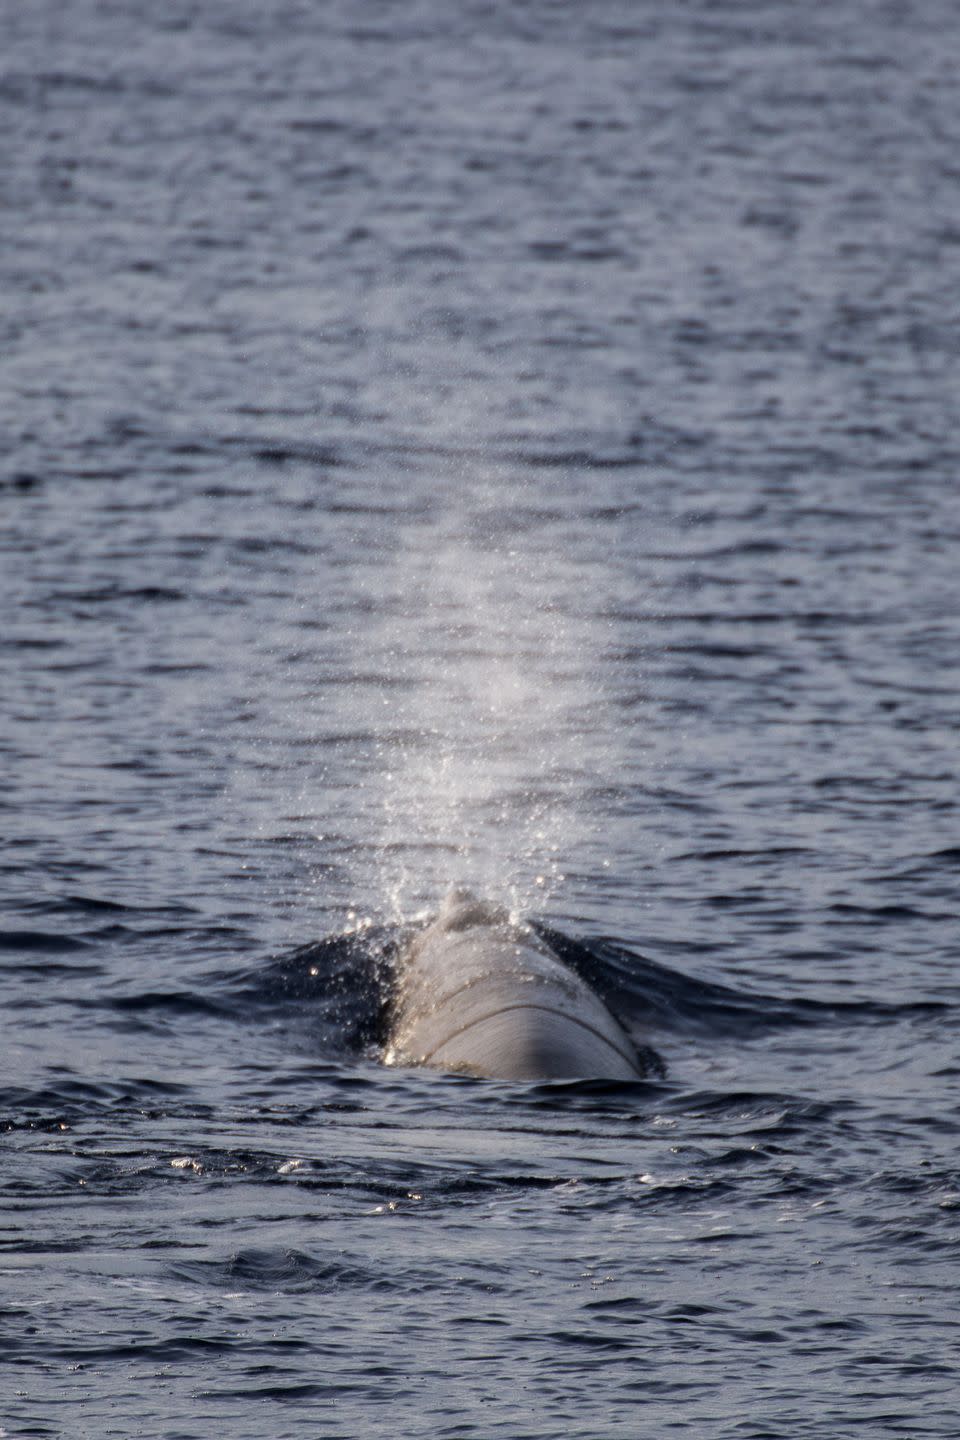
[500, 444]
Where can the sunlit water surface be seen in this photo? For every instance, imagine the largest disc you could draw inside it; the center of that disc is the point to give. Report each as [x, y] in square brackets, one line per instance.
[513, 445]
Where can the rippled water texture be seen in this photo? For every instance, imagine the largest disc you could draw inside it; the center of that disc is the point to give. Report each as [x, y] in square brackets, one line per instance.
[505, 444]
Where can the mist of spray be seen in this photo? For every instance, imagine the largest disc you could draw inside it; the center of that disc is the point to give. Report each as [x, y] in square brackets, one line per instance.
[489, 693]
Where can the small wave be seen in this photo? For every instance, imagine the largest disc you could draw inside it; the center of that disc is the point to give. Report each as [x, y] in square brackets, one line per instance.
[654, 996]
[67, 1097]
[347, 979]
[33, 940]
[273, 1269]
[177, 1002]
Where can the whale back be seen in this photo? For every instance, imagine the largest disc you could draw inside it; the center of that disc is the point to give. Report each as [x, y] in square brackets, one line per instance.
[480, 994]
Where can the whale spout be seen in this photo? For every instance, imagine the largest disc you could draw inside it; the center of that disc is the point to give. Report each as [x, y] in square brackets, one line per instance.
[481, 994]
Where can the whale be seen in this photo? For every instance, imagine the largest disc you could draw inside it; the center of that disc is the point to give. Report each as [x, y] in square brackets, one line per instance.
[477, 993]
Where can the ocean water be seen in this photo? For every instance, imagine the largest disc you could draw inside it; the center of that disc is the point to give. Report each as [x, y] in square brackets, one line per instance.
[499, 444]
